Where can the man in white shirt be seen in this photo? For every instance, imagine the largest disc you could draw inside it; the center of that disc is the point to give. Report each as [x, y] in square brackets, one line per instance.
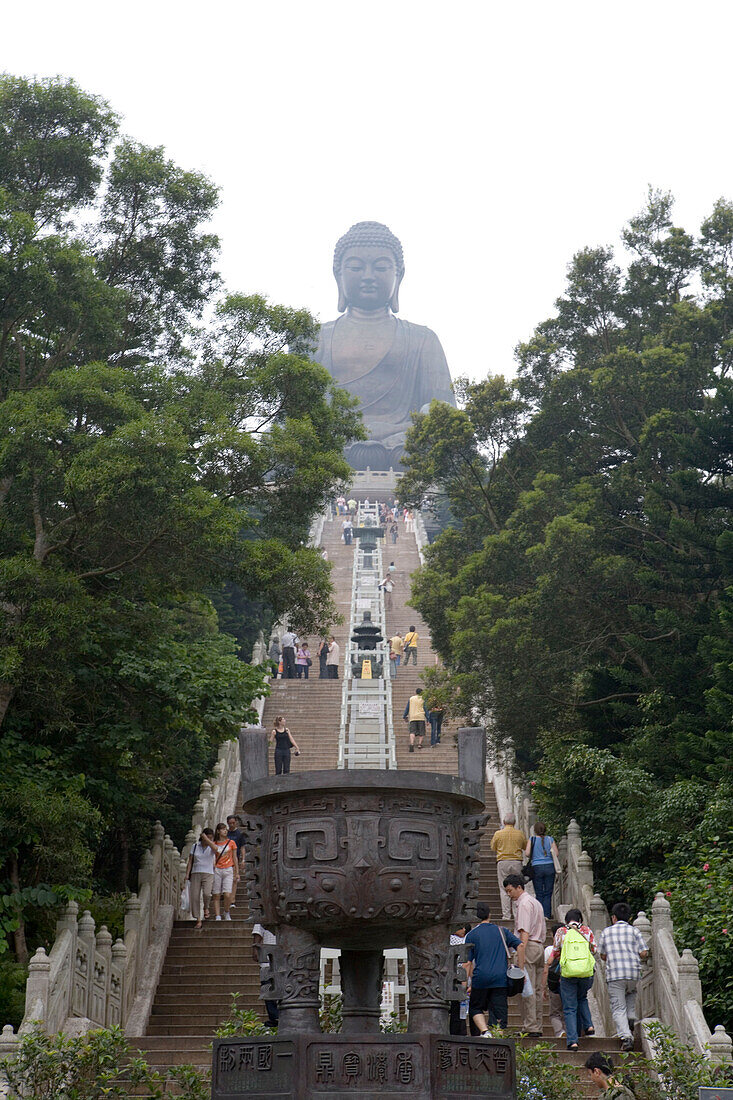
[261, 937]
[289, 641]
[332, 661]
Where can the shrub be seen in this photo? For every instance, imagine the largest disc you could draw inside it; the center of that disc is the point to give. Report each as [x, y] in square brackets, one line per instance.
[95, 1066]
[699, 891]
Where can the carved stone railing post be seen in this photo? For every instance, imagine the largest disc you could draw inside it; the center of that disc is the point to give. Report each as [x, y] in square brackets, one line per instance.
[585, 872]
[197, 818]
[37, 986]
[688, 980]
[645, 1004]
[84, 968]
[101, 977]
[721, 1047]
[116, 1000]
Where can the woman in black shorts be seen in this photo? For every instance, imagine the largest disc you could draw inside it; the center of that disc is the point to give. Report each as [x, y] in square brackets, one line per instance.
[283, 739]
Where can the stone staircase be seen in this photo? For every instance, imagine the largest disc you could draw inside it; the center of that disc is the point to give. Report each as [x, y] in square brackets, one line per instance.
[203, 970]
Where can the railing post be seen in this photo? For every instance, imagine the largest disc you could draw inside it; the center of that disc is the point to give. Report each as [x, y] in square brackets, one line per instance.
[646, 1005]
[37, 987]
[85, 977]
[721, 1047]
[585, 872]
[118, 971]
[101, 977]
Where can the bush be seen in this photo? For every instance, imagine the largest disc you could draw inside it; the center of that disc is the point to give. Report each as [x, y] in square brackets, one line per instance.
[12, 992]
[699, 891]
[678, 1070]
[91, 1067]
[242, 1021]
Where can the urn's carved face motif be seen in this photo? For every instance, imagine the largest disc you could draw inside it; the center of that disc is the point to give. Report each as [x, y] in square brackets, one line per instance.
[368, 277]
[374, 866]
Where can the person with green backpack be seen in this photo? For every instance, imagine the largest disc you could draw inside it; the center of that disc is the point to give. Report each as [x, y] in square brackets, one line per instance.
[575, 946]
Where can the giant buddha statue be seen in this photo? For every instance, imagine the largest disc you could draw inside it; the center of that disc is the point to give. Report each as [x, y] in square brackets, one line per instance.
[394, 367]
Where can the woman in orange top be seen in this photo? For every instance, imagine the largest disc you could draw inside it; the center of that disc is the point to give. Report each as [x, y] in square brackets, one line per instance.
[226, 871]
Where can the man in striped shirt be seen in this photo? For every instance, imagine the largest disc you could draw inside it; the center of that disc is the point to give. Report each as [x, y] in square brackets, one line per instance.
[622, 946]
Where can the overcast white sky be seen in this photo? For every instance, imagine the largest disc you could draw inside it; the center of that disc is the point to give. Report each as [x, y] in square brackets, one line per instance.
[494, 139]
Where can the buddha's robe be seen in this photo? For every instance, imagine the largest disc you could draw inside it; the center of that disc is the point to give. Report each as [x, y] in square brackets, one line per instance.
[412, 373]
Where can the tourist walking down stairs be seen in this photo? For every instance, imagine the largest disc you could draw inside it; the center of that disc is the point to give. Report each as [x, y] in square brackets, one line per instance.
[284, 740]
[200, 876]
[226, 872]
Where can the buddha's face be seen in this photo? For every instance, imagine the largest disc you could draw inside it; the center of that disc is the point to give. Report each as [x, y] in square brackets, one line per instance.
[368, 277]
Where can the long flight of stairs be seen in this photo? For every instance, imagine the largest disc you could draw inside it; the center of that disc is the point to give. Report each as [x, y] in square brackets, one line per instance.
[203, 970]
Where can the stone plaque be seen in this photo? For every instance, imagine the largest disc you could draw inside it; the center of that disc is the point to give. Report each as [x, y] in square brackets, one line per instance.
[253, 1067]
[370, 709]
[320, 1067]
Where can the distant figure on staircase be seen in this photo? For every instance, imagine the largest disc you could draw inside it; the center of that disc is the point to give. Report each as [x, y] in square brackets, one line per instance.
[435, 713]
[348, 530]
[322, 658]
[508, 844]
[388, 586]
[542, 851]
[622, 946]
[200, 874]
[411, 639]
[262, 937]
[394, 533]
[274, 653]
[332, 659]
[530, 926]
[576, 969]
[396, 649]
[488, 946]
[284, 740]
[303, 661]
[415, 715]
[289, 642]
[226, 872]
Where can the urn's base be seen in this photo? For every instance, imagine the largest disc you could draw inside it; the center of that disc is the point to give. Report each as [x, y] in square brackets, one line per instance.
[316, 1067]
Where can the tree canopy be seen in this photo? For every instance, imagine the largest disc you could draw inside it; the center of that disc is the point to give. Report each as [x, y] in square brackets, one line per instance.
[580, 598]
[162, 445]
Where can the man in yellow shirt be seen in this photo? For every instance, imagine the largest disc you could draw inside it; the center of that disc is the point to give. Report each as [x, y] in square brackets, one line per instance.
[508, 844]
[411, 639]
[415, 714]
[396, 647]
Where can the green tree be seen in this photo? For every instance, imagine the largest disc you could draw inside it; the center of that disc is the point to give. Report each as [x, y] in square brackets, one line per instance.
[147, 463]
[580, 599]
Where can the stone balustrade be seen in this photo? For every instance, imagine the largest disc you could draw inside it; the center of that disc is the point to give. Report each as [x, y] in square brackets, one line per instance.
[669, 989]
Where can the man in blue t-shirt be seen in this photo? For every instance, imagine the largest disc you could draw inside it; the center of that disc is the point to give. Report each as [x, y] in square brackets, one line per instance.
[486, 967]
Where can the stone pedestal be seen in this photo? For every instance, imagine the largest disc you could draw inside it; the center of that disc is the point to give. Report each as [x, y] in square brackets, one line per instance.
[304, 1067]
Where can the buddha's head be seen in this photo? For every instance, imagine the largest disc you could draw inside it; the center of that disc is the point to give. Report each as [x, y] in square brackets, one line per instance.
[368, 267]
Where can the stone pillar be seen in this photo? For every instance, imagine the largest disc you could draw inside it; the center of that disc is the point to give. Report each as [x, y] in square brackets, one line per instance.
[297, 977]
[361, 986]
[472, 754]
[253, 756]
[427, 963]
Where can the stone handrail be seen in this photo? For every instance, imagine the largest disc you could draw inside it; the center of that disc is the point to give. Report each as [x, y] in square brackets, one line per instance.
[669, 989]
[421, 535]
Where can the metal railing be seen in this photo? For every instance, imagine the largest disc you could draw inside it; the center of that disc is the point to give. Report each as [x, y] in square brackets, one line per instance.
[366, 735]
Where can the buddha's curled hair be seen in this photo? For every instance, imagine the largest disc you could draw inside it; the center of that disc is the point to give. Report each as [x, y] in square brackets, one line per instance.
[370, 235]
